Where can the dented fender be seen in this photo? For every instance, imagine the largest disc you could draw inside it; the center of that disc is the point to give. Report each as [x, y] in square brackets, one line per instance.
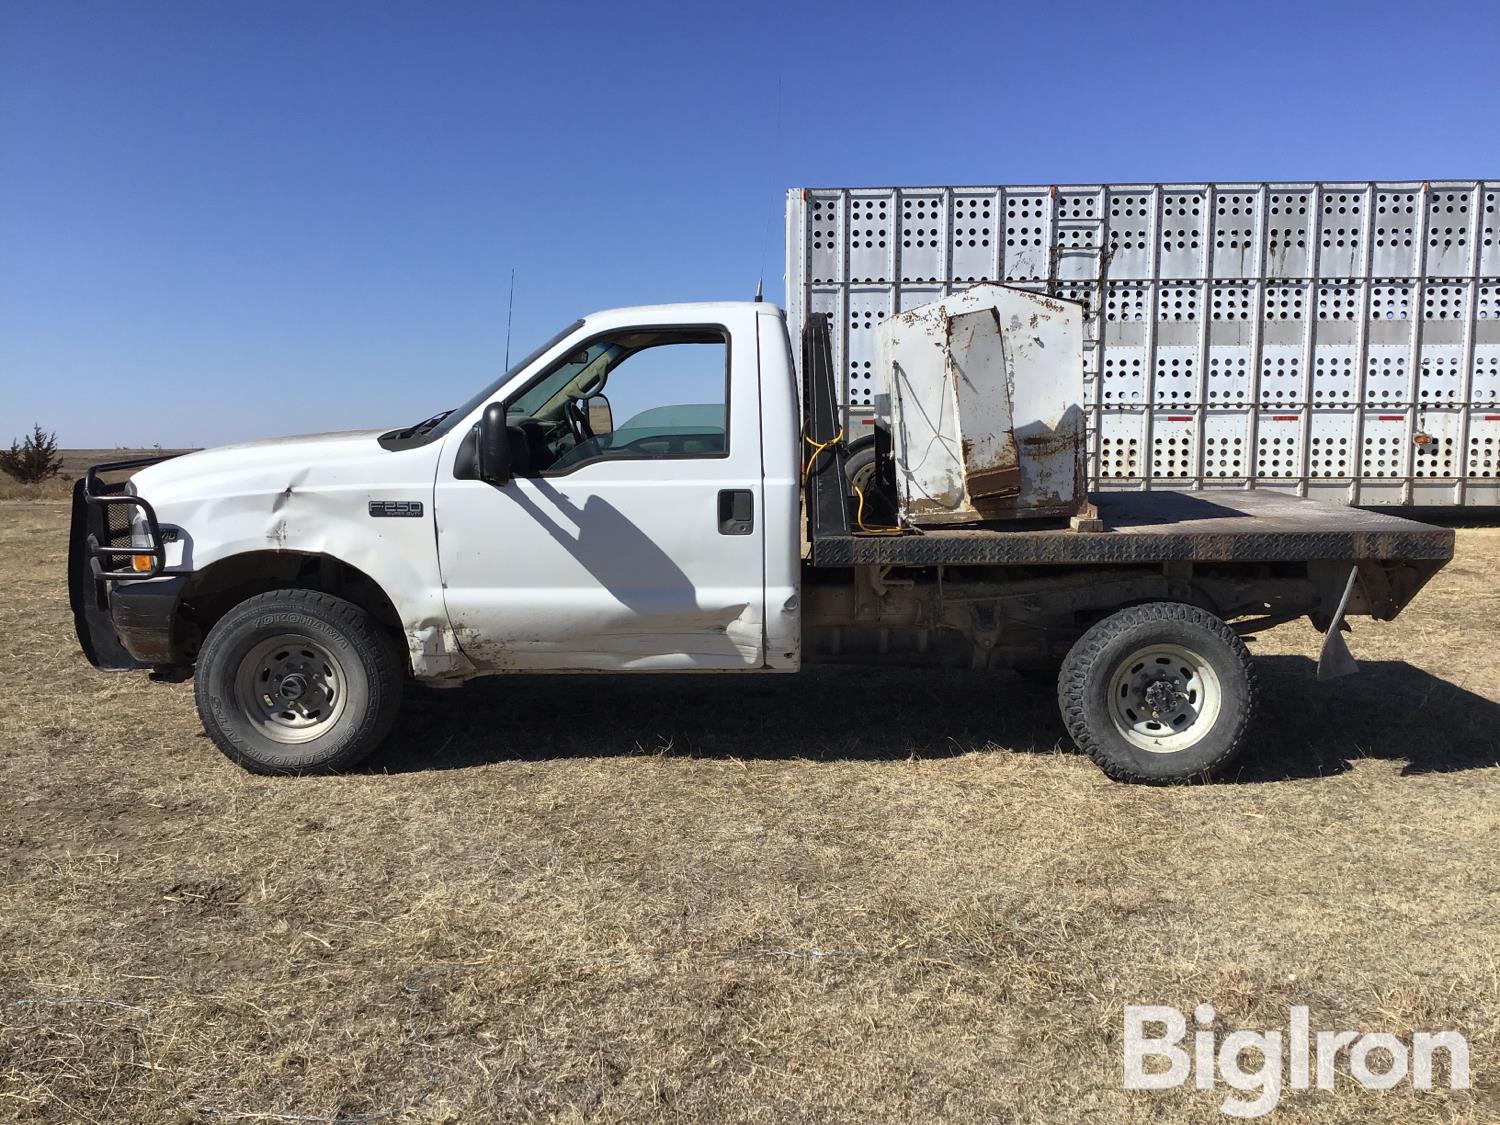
[314, 496]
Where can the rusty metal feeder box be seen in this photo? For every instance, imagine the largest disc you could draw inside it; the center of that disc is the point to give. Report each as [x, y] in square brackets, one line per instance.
[981, 393]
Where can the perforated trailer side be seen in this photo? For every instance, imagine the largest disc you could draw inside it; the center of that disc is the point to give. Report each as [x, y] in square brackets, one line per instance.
[1338, 340]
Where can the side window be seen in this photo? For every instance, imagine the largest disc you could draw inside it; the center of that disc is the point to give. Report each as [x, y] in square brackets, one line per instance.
[636, 395]
[669, 399]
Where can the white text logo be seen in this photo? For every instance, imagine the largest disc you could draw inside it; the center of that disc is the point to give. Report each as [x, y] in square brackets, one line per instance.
[1376, 1060]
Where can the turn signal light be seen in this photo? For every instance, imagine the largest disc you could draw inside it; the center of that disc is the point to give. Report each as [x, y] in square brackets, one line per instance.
[141, 563]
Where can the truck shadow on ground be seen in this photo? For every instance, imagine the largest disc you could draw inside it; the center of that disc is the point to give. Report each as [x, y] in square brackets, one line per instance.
[1390, 711]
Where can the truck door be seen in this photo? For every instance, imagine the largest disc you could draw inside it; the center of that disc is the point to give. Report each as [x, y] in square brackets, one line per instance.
[632, 534]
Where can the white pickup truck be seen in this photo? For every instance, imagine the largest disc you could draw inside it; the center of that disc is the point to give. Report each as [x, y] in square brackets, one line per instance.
[657, 490]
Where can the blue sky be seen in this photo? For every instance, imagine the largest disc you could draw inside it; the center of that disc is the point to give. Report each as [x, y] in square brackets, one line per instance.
[222, 221]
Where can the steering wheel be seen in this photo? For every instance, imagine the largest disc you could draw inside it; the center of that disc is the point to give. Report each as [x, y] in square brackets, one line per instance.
[578, 420]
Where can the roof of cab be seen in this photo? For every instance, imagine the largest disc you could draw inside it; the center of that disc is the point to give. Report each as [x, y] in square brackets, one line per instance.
[691, 310]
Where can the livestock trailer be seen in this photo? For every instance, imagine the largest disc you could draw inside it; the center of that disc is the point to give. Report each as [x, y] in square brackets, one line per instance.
[1339, 340]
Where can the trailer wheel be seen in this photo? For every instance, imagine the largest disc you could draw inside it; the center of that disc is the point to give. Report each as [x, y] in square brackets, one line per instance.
[859, 468]
[1158, 693]
[297, 681]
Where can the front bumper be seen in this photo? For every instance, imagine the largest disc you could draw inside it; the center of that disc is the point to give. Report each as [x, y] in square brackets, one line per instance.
[124, 618]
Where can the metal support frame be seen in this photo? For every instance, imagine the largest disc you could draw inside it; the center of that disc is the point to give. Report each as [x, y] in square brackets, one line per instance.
[825, 495]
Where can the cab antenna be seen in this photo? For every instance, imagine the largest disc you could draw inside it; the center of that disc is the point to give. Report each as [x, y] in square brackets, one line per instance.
[510, 308]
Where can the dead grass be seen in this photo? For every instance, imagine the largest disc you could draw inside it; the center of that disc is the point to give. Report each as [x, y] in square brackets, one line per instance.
[839, 896]
[58, 488]
[75, 463]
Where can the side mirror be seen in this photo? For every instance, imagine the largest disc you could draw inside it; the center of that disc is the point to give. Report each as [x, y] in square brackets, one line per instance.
[493, 446]
[601, 419]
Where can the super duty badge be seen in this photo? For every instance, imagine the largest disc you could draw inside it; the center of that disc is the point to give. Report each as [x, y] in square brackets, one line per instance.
[396, 508]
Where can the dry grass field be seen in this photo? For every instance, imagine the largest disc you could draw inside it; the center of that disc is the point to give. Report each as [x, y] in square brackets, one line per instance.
[844, 896]
[75, 462]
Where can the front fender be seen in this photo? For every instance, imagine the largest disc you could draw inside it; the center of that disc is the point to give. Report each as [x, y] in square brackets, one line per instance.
[398, 554]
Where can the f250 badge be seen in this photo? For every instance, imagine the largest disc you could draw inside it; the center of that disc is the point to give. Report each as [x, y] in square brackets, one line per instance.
[396, 508]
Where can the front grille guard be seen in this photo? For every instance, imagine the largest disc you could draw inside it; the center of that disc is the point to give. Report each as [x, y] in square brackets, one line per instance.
[107, 516]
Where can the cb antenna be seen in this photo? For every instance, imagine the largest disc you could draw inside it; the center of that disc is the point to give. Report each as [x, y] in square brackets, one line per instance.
[510, 308]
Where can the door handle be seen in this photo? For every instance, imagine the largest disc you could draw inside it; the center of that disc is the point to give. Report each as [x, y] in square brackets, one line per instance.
[736, 511]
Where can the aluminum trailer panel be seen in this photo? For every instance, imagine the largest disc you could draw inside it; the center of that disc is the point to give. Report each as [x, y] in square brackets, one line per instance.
[1337, 340]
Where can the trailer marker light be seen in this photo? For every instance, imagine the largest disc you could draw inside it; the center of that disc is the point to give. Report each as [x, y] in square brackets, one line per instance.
[1393, 417]
[1283, 417]
[1179, 417]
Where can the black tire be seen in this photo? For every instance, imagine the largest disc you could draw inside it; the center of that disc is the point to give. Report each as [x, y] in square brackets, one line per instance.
[358, 715]
[859, 468]
[1088, 683]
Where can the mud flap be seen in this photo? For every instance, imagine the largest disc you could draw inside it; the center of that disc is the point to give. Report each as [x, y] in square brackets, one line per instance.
[1336, 660]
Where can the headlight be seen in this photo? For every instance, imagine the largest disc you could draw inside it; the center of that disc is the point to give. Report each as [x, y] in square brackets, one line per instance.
[140, 530]
[140, 535]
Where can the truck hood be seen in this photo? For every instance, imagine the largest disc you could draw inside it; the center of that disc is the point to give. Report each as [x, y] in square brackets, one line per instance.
[258, 465]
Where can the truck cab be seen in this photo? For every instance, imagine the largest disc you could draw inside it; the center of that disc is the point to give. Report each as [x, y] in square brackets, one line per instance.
[642, 512]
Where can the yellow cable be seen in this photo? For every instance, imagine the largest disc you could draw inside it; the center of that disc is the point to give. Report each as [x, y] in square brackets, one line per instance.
[859, 516]
[817, 448]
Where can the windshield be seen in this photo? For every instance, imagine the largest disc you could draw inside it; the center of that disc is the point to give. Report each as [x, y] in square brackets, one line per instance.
[579, 376]
[451, 418]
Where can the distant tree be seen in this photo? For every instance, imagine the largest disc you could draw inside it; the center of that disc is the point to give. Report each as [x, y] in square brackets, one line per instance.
[33, 460]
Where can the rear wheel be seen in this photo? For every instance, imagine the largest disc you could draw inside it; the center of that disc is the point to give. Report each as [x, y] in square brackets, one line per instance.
[297, 681]
[1158, 692]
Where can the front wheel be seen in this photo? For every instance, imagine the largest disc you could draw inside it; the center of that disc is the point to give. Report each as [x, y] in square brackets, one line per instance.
[297, 681]
[1158, 692]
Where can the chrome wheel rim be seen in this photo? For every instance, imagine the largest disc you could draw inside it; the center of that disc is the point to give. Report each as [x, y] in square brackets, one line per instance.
[291, 688]
[1164, 698]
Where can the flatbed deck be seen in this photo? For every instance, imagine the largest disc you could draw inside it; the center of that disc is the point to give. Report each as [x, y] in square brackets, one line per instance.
[1158, 527]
